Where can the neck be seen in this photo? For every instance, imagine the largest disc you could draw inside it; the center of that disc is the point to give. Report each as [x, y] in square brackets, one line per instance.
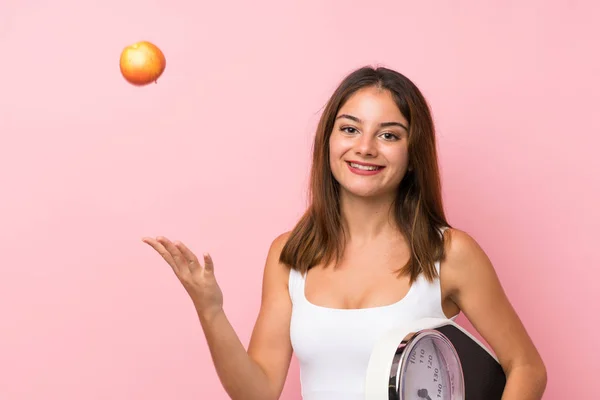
[367, 219]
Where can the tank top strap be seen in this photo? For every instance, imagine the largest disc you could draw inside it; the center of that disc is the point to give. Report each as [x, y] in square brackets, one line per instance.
[441, 230]
[296, 285]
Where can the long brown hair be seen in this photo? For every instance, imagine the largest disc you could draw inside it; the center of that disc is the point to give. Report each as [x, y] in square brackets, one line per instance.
[418, 209]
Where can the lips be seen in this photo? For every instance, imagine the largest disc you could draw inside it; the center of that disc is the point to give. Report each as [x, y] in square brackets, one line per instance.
[364, 166]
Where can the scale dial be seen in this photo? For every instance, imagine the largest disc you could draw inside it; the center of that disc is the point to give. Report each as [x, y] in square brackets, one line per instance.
[427, 367]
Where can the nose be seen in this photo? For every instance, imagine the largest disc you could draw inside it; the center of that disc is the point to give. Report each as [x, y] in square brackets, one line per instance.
[366, 146]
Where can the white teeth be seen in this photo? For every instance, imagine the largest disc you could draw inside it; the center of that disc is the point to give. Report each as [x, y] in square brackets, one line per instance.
[364, 167]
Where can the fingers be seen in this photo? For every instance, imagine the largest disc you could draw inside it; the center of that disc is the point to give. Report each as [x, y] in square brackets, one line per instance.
[208, 263]
[171, 254]
[190, 257]
[175, 252]
[178, 255]
[193, 260]
[160, 249]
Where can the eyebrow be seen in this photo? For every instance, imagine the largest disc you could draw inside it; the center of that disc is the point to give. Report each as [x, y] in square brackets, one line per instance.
[383, 124]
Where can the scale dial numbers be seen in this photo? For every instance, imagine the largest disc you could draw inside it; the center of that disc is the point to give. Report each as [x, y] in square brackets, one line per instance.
[430, 369]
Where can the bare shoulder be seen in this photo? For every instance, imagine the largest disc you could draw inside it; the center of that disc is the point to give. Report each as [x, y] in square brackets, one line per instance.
[465, 260]
[278, 243]
[276, 271]
[461, 245]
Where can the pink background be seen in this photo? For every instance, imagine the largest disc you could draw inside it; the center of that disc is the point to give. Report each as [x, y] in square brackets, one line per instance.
[216, 154]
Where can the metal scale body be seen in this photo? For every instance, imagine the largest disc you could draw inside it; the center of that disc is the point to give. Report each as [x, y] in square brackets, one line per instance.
[472, 371]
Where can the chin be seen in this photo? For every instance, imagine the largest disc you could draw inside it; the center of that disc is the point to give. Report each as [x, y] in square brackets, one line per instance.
[366, 191]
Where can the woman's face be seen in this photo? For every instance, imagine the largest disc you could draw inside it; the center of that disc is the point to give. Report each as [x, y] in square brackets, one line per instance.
[369, 144]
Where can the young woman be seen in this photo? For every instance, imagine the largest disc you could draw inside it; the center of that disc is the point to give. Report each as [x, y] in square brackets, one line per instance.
[373, 251]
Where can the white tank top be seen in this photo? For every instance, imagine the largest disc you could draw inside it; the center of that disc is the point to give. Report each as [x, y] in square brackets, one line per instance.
[333, 345]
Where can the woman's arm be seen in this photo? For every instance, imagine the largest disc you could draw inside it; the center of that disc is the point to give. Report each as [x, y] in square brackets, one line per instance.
[260, 372]
[474, 286]
[270, 345]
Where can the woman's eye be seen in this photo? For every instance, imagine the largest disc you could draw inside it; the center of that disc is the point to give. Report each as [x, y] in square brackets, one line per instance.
[390, 136]
[349, 129]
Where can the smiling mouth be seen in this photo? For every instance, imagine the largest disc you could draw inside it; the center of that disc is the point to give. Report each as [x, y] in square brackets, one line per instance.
[364, 167]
